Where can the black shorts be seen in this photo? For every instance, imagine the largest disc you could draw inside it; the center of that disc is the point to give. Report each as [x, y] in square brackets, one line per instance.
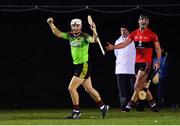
[143, 67]
[82, 70]
[140, 66]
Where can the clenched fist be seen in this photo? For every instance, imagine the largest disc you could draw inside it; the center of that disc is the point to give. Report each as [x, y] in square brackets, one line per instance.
[50, 20]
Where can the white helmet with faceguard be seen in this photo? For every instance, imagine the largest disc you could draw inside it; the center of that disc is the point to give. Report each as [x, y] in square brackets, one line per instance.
[76, 26]
[76, 21]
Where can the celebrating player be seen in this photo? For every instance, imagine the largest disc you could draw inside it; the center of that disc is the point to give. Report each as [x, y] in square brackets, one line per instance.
[144, 40]
[79, 42]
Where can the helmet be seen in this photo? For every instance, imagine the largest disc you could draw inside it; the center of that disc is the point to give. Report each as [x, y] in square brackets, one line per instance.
[76, 21]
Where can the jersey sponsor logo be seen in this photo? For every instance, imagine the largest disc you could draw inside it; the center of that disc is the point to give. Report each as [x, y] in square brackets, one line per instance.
[140, 44]
[75, 44]
[136, 37]
[145, 38]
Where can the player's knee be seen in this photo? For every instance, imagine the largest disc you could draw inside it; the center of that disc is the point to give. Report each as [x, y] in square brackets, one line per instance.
[137, 89]
[88, 90]
[71, 89]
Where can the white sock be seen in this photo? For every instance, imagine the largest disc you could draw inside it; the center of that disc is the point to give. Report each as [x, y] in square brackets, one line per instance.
[102, 107]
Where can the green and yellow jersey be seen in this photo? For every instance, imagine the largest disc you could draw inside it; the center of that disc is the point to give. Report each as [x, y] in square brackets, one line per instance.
[79, 46]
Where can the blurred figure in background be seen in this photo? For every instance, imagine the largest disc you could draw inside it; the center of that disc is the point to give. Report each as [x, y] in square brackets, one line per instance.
[162, 85]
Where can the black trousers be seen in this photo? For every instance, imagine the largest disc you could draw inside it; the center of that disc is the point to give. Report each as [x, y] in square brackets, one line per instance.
[125, 84]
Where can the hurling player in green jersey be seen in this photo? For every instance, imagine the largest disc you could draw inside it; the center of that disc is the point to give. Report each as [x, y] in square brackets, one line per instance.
[79, 43]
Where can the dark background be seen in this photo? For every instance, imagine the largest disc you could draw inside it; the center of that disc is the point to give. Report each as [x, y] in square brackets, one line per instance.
[36, 67]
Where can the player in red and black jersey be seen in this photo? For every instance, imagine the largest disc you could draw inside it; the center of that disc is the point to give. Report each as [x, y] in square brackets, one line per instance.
[145, 40]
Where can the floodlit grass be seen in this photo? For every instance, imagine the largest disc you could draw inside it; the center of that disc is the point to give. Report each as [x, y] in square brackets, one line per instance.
[89, 117]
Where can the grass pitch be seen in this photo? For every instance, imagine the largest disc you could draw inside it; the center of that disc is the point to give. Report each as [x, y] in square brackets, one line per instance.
[89, 117]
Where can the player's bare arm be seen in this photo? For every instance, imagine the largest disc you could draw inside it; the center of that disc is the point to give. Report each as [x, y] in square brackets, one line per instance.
[54, 29]
[158, 53]
[95, 36]
[118, 46]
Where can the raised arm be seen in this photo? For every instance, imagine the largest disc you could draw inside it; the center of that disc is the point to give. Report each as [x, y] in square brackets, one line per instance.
[95, 35]
[54, 29]
[118, 46]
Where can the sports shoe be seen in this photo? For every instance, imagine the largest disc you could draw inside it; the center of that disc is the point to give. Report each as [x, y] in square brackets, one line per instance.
[155, 108]
[129, 106]
[104, 111]
[126, 109]
[74, 115]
